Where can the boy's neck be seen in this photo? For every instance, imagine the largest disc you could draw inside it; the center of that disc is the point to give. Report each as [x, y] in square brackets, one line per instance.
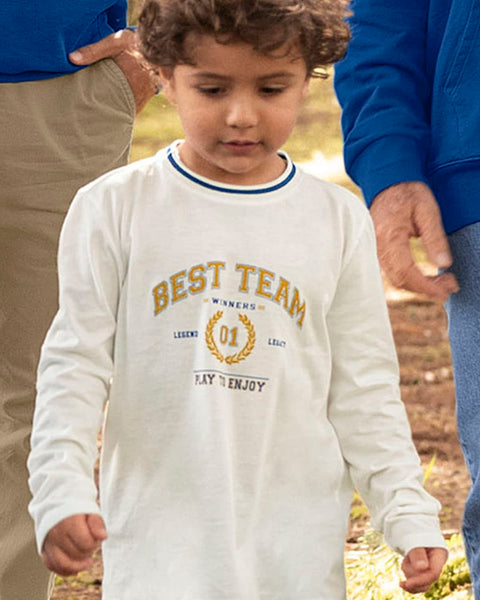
[194, 162]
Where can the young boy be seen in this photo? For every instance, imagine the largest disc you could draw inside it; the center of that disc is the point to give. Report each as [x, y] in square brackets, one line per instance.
[230, 309]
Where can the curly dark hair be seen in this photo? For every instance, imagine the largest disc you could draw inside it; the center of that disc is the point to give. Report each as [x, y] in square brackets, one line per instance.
[316, 27]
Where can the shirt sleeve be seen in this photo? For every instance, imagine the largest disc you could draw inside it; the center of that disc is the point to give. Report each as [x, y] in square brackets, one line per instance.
[75, 368]
[383, 87]
[117, 15]
[366, 410]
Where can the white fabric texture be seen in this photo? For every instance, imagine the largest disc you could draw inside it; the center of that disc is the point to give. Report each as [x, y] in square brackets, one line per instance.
[242, 340]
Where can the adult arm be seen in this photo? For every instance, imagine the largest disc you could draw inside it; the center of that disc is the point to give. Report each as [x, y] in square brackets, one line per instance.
[383, 86]
[122, 48]
[365, 407]
[76, 367]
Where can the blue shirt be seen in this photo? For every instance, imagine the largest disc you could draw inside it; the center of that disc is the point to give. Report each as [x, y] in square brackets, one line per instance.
[38, 36]
[410, 87]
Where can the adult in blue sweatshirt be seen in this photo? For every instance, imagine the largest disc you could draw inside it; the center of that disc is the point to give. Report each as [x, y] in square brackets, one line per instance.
[62, 124]
[409, 87]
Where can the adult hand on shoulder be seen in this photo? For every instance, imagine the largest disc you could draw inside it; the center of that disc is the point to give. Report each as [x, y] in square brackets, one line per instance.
[422, 567]
[122, 48]
[410, 210]
[69, 545]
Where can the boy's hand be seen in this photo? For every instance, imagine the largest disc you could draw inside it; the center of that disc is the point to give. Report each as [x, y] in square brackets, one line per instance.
[422, 567]
[69, 545]
[122, 48]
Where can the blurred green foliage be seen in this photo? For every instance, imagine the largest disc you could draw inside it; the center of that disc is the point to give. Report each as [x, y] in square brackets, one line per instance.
[374, 571]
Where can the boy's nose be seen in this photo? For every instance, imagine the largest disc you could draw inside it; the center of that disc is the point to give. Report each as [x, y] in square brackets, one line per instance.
[242, 113]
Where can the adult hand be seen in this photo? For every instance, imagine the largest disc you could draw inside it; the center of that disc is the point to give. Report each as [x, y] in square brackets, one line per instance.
[410, 210]
[122, 48]
[69, 545]
[422, 567]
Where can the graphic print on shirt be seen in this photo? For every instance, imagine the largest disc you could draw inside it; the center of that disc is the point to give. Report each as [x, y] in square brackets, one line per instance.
[230, 334]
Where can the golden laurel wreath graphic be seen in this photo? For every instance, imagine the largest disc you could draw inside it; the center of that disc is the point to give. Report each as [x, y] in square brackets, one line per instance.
[231, 358]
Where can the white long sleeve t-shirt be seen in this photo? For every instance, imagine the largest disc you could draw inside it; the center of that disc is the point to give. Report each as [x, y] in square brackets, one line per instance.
[242, 340]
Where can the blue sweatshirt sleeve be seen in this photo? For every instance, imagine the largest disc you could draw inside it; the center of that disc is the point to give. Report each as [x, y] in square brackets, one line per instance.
[117, 15]
[382, 86]
[38, 36]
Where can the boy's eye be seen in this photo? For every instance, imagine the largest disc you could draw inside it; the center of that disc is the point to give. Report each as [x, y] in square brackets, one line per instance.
[211, 90]
[271, 90]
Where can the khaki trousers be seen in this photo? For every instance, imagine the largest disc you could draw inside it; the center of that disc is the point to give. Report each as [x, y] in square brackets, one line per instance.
[55, 136]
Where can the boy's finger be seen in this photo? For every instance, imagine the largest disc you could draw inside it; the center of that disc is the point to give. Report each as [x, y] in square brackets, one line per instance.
[73, 549]
[418, 578]
[438, 558]
[79, 537]
[61, 563]
[412, 588]
[97, 527]
[71, 536]
[418, 559]
[419, 583]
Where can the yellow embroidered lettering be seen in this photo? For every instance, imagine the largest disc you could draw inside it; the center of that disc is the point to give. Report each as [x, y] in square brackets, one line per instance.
[246, 270]
[297, 309]
[160, 297]
[196, 279]
[216, 266]
[196, 276]
[178, 291]
[281, 297]
[265, 279]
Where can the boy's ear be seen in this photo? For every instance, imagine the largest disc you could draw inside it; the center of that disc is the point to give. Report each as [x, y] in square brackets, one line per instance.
[167, 80]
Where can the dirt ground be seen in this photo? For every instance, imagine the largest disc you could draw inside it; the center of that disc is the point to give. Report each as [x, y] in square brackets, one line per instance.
[420, 332]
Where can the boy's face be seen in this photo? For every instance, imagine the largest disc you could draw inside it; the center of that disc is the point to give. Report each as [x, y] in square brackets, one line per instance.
[237, 108]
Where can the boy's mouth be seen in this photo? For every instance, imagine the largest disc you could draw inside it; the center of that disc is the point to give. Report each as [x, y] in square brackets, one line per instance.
[241, 146]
